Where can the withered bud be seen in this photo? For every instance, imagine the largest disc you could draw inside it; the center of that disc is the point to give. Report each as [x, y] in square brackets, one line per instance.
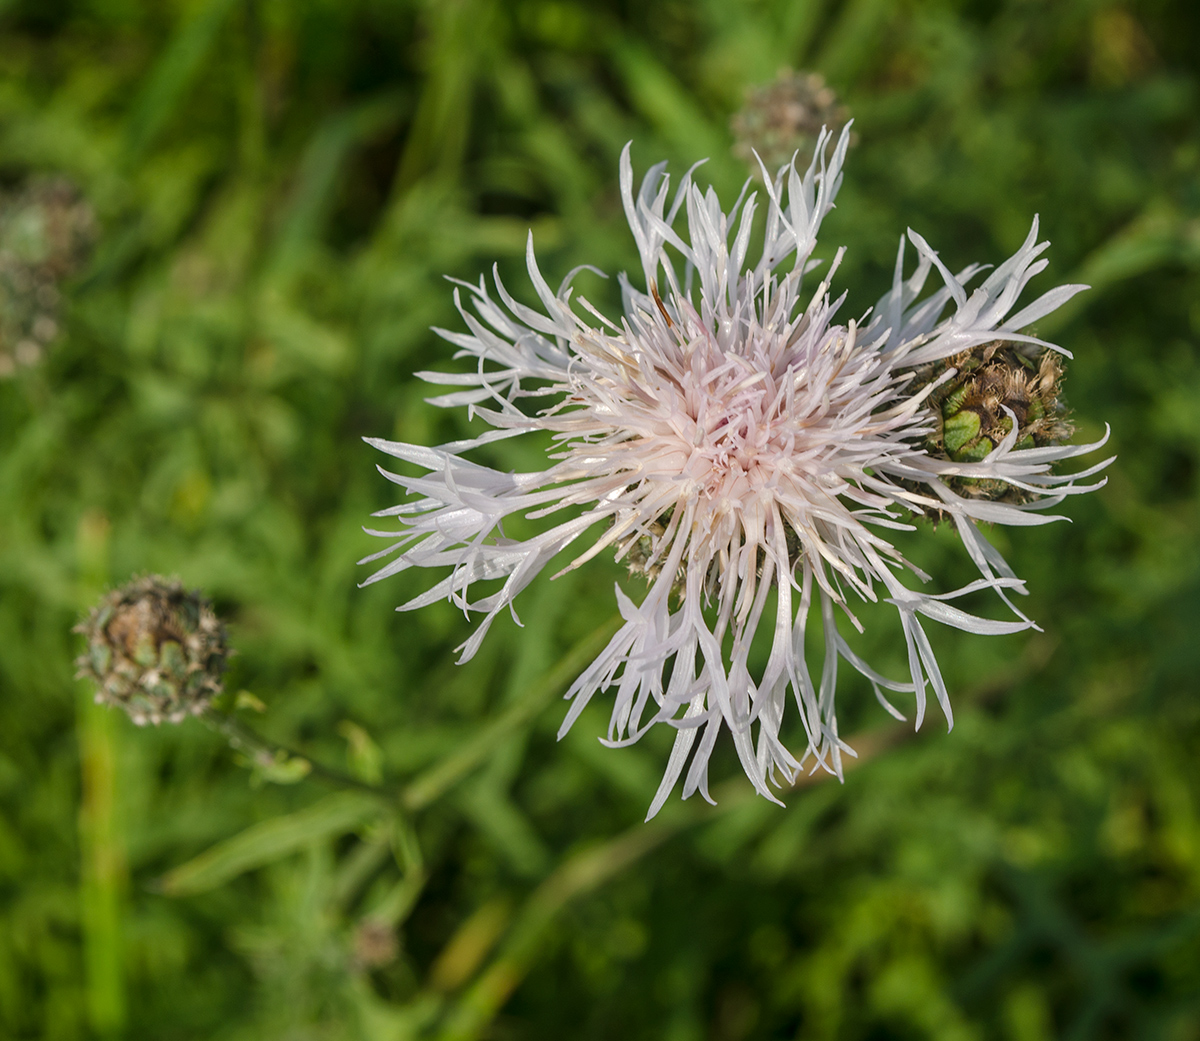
[154, 650]
[994, 384]
[375, 944]
[47, 230]
[782, 117]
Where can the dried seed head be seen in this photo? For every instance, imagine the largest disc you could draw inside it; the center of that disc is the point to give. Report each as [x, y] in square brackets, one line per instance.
[995, 384]
[375, 944]
[46, 233]
[783, 117]
[154, 650]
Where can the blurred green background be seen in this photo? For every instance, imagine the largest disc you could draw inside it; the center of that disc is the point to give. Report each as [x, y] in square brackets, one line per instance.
[245, 210]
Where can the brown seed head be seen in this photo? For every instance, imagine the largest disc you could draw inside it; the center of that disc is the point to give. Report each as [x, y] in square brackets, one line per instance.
[47, 231]
[154, 650]
[782, 117]
[375, 944]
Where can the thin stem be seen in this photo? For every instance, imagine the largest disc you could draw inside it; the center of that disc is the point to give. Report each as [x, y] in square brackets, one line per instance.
[439, 778]
[588, 869]
[266, 753]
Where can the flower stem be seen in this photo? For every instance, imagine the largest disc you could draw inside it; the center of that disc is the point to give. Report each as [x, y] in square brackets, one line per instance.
[266, 753]
[439, 778]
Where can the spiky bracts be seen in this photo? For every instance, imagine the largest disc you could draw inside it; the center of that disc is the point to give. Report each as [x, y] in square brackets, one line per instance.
[154, 650]
[978, 397]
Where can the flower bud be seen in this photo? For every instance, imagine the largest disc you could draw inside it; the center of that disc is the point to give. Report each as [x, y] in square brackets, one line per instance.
[154, 650]
[993, 385]
[47, 230]
[783, 117]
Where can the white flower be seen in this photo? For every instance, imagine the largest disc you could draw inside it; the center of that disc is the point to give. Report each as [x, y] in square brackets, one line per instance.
[737, 446]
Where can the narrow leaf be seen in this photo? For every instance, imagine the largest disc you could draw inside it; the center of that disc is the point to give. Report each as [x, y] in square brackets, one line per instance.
[269, 841]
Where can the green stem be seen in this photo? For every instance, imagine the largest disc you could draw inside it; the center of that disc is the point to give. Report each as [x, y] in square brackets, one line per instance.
[104, 873]
[588, 869]
[265, 752]
[439, 778]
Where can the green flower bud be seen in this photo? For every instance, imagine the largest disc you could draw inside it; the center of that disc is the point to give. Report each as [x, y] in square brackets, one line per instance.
[992, 385]
[154, 650]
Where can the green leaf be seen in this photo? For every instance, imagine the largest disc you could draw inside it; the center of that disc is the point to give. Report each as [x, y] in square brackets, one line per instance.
[246, 700]
[282, 769]
[366, 757]
[269, 841]
[668, 104]
[173, 74]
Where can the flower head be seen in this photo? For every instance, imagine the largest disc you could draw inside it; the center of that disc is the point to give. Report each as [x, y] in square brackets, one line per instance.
[746, 452]
[154, 650]
[47, 231]
[785, 116]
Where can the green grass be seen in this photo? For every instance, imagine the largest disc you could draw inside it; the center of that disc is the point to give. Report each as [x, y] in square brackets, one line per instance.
[279, 188]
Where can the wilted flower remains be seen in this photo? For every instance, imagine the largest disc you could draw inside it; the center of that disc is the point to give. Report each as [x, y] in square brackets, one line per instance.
[748, 454]
[154, 650]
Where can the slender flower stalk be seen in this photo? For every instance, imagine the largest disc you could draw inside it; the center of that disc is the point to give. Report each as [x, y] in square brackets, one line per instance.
[745, 452]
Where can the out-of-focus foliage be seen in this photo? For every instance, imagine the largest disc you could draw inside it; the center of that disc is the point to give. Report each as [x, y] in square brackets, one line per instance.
[278, 187]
